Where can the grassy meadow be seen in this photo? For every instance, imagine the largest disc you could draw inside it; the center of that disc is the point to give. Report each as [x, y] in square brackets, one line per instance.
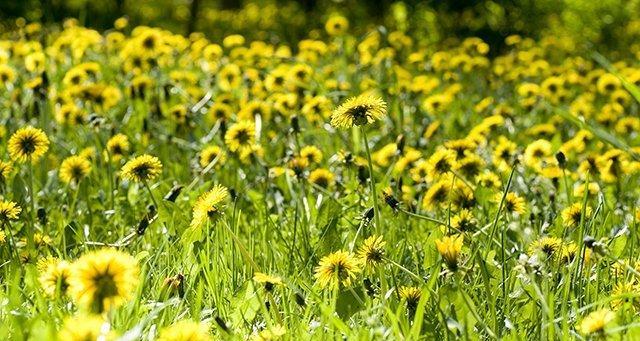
[362, 183]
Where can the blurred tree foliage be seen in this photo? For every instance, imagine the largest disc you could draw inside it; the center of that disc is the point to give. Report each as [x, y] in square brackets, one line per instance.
[584, 21]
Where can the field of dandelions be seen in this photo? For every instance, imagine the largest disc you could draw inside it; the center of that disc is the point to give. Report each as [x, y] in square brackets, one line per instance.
[368, 186]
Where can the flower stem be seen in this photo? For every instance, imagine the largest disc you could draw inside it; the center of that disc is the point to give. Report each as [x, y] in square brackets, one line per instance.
[372, 182]
[153, 199]
[14, 247]
[32, 211]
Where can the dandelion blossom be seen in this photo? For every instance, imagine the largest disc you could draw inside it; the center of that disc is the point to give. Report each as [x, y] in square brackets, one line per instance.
[28, 143]
[358, 111]
[9, 210]
[104, 279]
[449, 248]
[142, 168]
[411, 295]
[54, 277]
[82, 328]
[372, 251]
[74, 169]
[209, 206]
[337, 270]
[595, 322]
[512, 203]
[118, 146]
[185, 330]
[572, 215]
[269, 281]
[240, 136]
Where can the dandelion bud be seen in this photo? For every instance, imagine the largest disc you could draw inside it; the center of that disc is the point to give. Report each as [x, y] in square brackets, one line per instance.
[220, 322]
[300, 300]
[174, 284]
[400, 141]
[173, 193]
[42, 216]
[562, 159]
[368, 215]
[295, 124]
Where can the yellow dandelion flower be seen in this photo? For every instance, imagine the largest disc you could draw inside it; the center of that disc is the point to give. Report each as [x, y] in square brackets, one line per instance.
[240, 136]
[372, 251]
[9, 210]
[210, 153]
[358, 111]
[512, 203]
[312, 154]
[411, 295]
[596, 322]
[269, 281]
[185, 330]
[273, 333]
[5, 171]
[209, 206]
[464, 221]
[104, 279]
[336, 25]
[437, 195]
[440, 163]
[625, 288]
[74, 168]
[449, 248]
[118, 146]
[572, 215]
[321, 177]
[82, 328]
[547, 245]
[536, 152]
[54, 277]
[142, 168]
[337, 270]
[28, 143]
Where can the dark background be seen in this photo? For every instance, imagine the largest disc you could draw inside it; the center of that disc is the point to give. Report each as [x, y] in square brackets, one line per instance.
[585, 21]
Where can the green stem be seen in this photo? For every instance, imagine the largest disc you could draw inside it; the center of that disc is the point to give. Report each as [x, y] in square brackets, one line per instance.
[372, 182]
[14, 248]
[32, 211]
[153, 199]
[433, 220]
